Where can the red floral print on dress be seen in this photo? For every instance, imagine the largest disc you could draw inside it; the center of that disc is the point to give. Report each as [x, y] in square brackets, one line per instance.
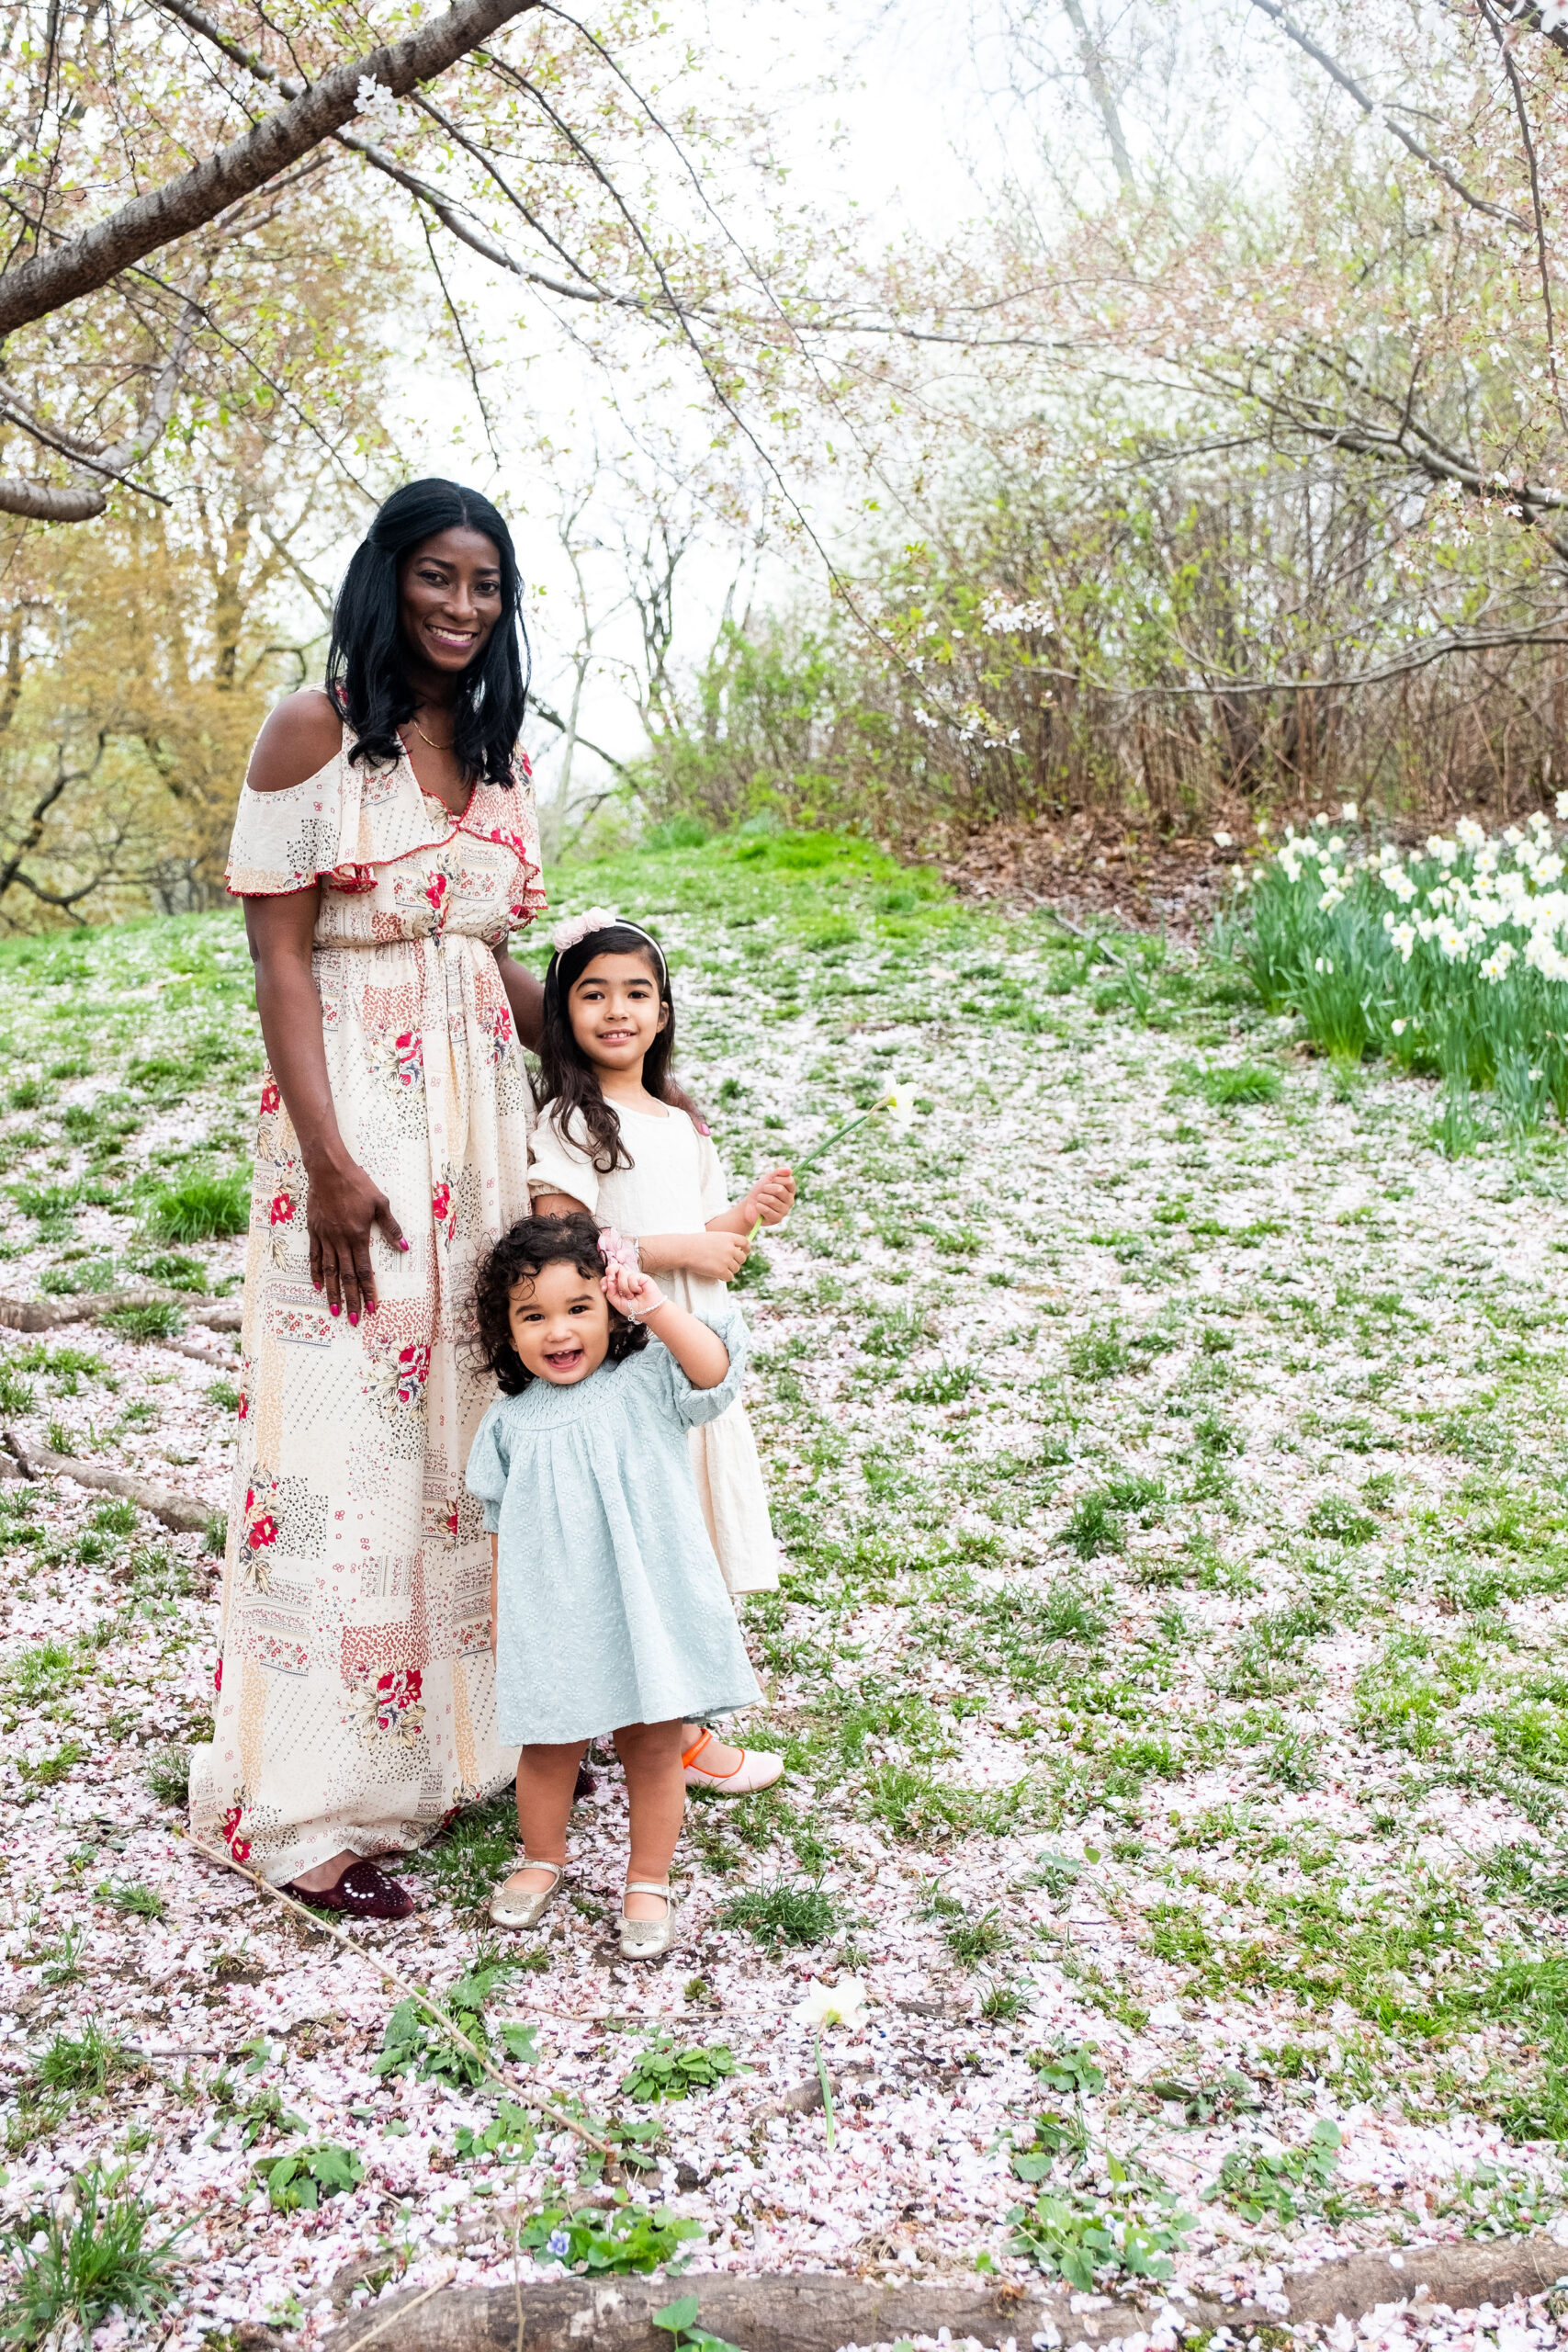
[411, 1372]
[218, 1678]
[239, 1847]
[261, 1528]
[407, 1056]
[436, 891]
[391, 1705]
[441, 1208]
[270, 1098]
[282, 1209]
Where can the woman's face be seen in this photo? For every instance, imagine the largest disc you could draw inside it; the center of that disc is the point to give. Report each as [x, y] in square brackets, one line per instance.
[449, 597]
[560, 1324]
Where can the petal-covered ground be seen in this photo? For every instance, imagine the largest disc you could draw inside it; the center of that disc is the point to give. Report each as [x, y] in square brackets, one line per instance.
[1165, 1439]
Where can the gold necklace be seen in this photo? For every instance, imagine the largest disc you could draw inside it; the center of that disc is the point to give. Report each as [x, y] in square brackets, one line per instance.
[431, 740]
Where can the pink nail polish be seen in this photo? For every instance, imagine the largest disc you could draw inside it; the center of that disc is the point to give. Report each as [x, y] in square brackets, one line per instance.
[402, 1245]
[336, 1309]
[354, 1318]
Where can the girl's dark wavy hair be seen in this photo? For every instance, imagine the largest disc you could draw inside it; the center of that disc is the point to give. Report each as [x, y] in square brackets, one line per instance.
[534, 1243]
[367, 660]
[567, 1078]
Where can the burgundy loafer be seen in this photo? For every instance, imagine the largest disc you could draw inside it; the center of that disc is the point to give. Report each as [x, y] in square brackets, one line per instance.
[362, 1892]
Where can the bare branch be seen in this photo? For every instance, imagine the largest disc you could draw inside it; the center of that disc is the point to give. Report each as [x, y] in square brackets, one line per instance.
[1369, 107]
[46, 282]
[79, 501]
[1102, 92]
[553, 719]
[1516, 89]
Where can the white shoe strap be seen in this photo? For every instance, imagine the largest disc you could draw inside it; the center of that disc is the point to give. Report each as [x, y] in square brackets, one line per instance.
[648, 1886]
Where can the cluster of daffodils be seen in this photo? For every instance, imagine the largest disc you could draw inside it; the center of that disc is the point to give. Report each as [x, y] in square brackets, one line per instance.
[1481, 900]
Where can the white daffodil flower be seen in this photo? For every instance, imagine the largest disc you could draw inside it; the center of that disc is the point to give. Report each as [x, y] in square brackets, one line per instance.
[900, 1106]
[840, 2004]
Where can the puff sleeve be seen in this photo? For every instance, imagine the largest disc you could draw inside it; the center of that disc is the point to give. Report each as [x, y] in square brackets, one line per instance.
[674, 1393]
[557, 1164]
[489, 1459]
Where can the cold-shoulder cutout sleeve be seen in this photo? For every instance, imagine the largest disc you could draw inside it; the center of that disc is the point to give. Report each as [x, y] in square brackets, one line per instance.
[558, 1164]
[353, 816]
[490, 1458]
[690, 1407]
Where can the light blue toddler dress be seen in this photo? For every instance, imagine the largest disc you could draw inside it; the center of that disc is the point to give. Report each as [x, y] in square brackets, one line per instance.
[613, 1606]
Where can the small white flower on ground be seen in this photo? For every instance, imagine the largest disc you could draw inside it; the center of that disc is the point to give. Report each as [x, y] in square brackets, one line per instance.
[1223, 841]
[1347, 813]
[1398, 1027]
[840, 2004]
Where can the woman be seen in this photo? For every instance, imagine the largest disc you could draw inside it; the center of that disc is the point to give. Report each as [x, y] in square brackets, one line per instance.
[385, 847]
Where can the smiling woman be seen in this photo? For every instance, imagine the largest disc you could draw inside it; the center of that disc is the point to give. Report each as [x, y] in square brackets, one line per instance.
[385, 848]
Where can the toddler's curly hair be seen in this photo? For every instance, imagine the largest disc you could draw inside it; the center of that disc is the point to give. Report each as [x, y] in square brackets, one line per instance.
[534, 1243]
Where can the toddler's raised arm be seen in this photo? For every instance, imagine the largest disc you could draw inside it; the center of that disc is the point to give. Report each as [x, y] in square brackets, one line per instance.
[700, 1352]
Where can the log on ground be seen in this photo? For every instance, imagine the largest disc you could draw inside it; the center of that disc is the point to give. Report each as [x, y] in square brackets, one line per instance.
[822, 2312]
[184, 1513]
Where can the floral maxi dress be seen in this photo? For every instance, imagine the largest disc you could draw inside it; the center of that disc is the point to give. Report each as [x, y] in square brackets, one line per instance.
[356, 1704]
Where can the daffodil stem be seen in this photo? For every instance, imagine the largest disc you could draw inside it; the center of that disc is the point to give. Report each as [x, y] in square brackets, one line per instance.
[826, 1145]
[827, 2092]
[837, 1136]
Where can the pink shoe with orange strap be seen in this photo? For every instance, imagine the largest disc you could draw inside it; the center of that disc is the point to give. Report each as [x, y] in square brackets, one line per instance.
[755, 1769]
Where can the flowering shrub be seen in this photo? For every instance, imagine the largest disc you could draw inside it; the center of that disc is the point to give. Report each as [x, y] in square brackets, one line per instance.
[1449, 959]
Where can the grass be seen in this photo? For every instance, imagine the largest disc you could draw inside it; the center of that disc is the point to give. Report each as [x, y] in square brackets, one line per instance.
[468, 1860]
[83, 2258]
[786, 1913]
[86, 2064]
[168, 1776]
[200, 1208]
[161, 1320]
[1246, 1481]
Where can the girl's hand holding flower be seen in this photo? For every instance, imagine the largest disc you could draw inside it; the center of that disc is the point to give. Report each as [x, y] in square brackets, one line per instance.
[771, 1198]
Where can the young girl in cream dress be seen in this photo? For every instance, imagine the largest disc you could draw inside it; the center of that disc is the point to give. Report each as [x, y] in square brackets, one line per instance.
[616, 1138]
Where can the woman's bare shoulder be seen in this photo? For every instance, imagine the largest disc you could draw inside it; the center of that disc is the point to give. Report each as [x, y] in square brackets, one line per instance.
[300, 737]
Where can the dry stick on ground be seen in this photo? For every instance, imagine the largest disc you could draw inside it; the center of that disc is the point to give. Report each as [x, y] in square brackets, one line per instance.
[410, 1992]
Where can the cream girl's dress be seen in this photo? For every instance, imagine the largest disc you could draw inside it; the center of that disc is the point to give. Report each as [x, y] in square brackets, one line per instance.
[674, 1186]
[357, 1696]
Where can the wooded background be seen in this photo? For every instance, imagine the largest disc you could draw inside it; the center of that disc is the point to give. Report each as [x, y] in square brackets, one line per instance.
[1214, 467]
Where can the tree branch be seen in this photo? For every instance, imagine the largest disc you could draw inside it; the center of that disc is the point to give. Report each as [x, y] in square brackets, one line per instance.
[1516, 89]
[1369, 107]
[79, 501]
[1533, 18]
[553, 719]
[1101, 90]
[46, 282]
[423, 191]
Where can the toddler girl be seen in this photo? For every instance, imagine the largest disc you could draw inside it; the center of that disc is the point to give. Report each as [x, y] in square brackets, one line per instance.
[618, 1138]
[606, 1601]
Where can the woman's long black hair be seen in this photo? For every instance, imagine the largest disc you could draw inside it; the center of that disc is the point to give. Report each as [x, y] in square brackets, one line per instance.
[367, 660]
[567, 1076]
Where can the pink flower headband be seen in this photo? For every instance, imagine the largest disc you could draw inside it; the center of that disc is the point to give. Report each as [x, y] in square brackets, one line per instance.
[577, 928]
